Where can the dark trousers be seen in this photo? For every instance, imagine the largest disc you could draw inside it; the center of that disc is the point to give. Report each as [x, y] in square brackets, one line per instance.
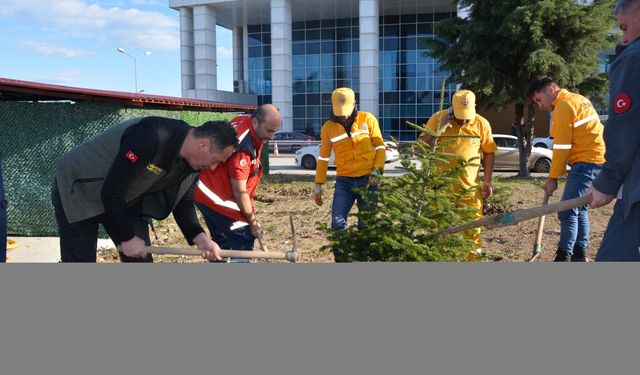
[621, 241]
[79, 241]
[3, 220]
[222, 233]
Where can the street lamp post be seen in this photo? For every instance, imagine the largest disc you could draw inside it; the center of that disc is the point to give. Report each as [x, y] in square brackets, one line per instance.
[135, 64]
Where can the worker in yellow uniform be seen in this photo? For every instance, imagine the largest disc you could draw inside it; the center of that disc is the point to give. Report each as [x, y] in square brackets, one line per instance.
[577, 140]
[356, 141]
[463, 120]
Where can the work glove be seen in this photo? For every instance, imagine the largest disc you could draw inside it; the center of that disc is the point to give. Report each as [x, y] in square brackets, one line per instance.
[317, 194]
[373, 178]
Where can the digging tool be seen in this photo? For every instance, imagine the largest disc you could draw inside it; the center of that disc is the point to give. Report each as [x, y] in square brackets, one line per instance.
[291, 256]
[538, 245]
[511, 218]
[261, 242]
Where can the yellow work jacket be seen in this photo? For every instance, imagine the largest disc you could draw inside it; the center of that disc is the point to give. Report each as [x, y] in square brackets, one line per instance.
[356, 155]
[481, 141]
[577, 133]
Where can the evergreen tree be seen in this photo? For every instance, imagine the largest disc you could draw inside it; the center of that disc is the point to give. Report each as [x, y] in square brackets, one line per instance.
[425, 199]
[503, 44]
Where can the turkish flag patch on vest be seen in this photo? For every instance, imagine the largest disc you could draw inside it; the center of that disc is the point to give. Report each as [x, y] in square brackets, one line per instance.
[621, 103]
[133, 158]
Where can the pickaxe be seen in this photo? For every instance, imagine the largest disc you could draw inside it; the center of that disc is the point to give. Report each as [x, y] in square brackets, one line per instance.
[537, 246]
[291, 256]
[511, 218]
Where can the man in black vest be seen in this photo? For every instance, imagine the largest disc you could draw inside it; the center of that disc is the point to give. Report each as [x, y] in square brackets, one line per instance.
[133, 172]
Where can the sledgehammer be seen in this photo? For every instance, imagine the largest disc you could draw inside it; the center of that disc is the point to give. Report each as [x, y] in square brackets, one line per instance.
[511, 218]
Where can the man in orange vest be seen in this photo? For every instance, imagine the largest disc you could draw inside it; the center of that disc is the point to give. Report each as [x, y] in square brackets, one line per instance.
[225, 195]
[355, 138]
[463, 120]
[577, 140]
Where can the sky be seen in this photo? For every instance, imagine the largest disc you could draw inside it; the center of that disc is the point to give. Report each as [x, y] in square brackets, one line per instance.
[74, 43]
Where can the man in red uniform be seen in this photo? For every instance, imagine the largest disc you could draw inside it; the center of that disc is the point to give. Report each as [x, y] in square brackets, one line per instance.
[225, 195]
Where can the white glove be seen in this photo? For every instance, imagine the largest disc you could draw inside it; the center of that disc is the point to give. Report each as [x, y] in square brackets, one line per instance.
[317, 194]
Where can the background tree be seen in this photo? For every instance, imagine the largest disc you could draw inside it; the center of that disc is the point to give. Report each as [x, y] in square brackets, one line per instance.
[503, 44]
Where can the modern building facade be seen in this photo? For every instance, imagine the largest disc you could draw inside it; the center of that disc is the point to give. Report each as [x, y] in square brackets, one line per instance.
[293, 53]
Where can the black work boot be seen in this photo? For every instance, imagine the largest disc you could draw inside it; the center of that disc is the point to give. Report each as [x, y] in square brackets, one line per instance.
[562, 256]
[579, 254]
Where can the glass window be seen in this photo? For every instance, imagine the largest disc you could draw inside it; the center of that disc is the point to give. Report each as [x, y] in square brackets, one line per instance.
[409, 43]
[425, 97]
[326, 60]
[343, 22]
[326, 98]
[313, 60]
[355, 58]
[343, 33]
[408, 29]
[313, 99]
[425, 29]
[312, 24]
[328, 47]
[313, 86]
[313, 35]
[314, 111]
[408, 110]
[390, 57]
[254, 28]
[299, 99]
[424, 112]
[297, 49]
[391, 97]
[312, 73]
[297, 36]
[391, 19]
[313, 48]
[326, 86]
[255, 63]
[298, 61]
[328, 34]
[253, 40]
[389, 84]
[298, 74]
[390, 44]
[255, 51]
[343, 46]
[330, 23]
[326, 73]
[297, 25]
[390, 31]
[408, 97]
[298, 87]
[425, 17]
[408, 18]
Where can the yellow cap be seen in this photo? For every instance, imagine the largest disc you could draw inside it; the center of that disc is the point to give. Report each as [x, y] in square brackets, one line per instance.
[464, 105]
[343, 100]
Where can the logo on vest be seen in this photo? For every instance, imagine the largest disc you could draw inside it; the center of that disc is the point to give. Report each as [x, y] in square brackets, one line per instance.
[364, 128]
[621, 103]
[133, 158]
[154, 169]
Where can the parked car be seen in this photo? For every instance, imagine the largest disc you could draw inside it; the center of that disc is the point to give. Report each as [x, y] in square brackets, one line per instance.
[290, 141]
[508, 155]
[542, 142]
[307, 157]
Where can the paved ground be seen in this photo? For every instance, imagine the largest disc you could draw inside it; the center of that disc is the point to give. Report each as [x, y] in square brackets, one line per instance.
[47, 249]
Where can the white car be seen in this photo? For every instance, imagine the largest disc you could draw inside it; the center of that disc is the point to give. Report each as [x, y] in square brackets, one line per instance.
[307, 157]
[542, 142]
[508, 155]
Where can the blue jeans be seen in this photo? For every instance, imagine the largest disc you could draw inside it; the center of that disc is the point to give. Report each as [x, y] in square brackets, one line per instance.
[574, 223]
[227, 238]
[344, 197]
[3, 220]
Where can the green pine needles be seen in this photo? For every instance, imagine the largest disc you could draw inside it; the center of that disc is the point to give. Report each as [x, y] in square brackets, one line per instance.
[426, 198]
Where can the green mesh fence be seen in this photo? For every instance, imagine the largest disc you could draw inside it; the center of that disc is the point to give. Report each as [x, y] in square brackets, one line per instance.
[34, 135]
